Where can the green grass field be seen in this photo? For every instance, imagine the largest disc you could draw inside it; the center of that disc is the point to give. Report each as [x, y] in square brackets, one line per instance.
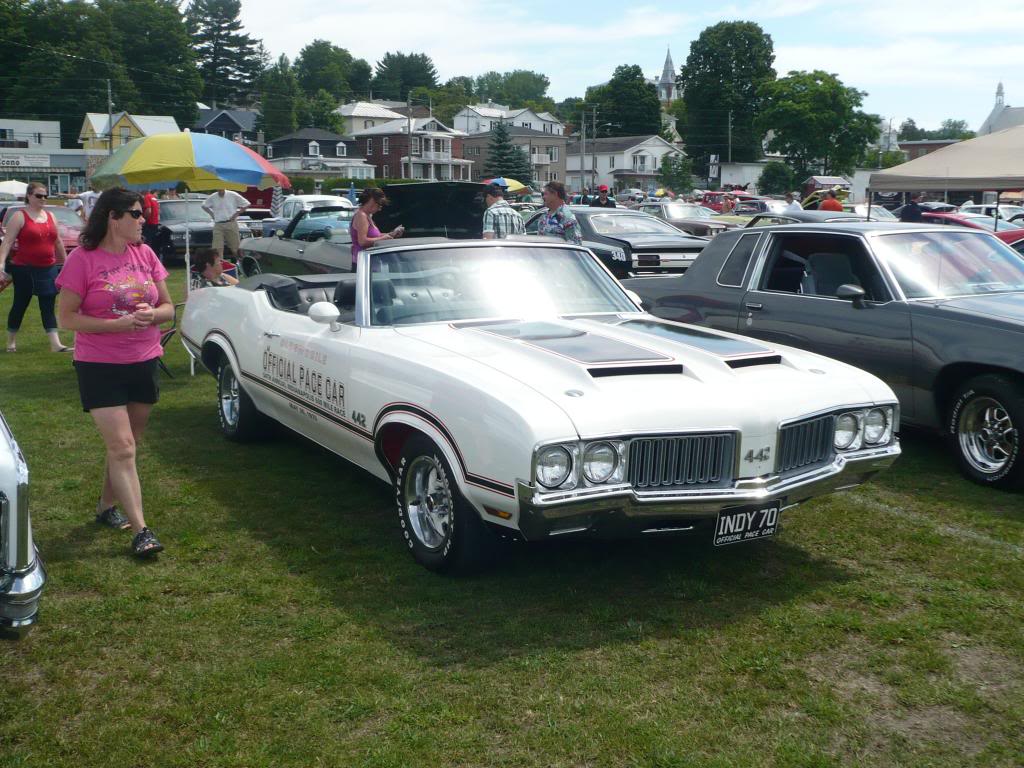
[285, 625]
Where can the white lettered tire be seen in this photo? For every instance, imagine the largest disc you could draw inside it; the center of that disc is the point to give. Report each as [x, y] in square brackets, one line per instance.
[983, 429]
[442, 531]
[239, 419]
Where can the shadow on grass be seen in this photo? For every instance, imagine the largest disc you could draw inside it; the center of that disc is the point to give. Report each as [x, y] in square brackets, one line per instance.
[334, 526]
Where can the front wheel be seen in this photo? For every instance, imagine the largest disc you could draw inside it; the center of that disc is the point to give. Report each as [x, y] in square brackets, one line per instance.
[239, 419]
[982, 428]
[443, 532]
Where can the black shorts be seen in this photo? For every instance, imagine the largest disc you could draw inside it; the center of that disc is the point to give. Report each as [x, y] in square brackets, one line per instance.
[105, 385]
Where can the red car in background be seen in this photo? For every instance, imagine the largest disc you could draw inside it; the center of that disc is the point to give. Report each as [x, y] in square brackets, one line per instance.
[1008, 232]
[69, 226]
[713, 200]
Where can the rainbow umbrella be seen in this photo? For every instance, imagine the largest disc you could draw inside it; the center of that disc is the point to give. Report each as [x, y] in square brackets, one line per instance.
[510, 184]
[200, 160]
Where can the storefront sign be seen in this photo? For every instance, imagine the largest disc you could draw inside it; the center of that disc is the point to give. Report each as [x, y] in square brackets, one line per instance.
[24, 161]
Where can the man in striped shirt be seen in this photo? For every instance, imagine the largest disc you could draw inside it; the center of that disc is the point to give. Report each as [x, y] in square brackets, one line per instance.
[500, 220]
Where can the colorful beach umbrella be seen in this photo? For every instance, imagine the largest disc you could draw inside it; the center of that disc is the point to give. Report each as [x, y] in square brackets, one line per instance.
[203, 161]
[510, 184]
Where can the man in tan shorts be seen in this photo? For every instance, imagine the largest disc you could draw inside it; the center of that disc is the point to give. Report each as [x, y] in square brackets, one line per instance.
[225, 206]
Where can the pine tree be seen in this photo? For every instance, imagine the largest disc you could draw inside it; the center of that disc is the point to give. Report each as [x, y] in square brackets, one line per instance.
[505, 158]
[229, 60]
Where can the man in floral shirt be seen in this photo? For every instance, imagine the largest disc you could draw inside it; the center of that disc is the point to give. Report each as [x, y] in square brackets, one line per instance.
[558, 220]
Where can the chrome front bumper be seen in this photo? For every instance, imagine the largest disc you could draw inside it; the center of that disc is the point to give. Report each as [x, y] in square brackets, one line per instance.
[623, 511]
[19, 595]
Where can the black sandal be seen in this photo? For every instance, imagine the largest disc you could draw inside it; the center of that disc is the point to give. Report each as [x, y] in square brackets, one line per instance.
[145, 543]
[112, 518]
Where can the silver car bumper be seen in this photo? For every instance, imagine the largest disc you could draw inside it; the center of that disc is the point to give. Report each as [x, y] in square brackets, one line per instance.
[22, 574]
[623, 511]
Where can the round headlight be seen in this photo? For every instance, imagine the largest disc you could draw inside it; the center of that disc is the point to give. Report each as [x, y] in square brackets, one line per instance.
[846, 431]
[874, 425]
[553, 466]
[599, 462]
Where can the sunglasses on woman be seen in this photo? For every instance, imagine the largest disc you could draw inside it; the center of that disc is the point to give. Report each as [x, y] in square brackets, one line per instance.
[39, 195]
[135, 213]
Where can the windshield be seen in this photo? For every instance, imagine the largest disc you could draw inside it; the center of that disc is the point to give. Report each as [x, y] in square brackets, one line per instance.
[878, 213]
[944, 264]
[65, 216]
[323, 225]
[684, 211]
[175, 211]
[523, 281]
[630, 224]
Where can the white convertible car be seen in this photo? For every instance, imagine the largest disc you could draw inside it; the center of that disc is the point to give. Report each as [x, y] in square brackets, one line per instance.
[513, 388]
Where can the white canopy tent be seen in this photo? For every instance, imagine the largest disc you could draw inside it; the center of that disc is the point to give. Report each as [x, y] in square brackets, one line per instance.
[991, 162]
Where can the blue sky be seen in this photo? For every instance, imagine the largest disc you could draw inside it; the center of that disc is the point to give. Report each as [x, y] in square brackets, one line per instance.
[933, 60]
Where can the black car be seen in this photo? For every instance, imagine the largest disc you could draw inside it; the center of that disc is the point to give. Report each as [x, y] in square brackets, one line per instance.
[629, 242]
[797, 217]
[177, 216]
[937, 312]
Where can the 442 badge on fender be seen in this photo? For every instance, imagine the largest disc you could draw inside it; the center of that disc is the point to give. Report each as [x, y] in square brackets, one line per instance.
[747, 523]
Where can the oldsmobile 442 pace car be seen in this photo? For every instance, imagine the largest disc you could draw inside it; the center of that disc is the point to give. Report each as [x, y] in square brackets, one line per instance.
[22, 575]
[514, 388]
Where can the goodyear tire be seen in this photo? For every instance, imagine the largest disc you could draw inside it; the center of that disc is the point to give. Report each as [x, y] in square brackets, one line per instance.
[240, 421]
[440, 528]
[983, 429]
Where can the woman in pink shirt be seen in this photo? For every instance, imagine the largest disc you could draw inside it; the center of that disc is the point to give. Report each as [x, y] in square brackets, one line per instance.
[113, 295]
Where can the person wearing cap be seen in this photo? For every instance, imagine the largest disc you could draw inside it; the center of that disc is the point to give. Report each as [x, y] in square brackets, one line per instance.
[602, 200]
[500, 220]
[830, 202]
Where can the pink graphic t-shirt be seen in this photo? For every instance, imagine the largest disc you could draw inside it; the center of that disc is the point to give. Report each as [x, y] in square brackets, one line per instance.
[113, 285]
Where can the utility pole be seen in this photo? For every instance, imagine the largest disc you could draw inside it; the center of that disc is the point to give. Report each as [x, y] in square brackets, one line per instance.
[408, 114]
[730, 136]
[583, 149]
[593, 123]
[110, 120]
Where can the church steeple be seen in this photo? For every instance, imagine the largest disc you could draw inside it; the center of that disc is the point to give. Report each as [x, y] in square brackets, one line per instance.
[667, 83]
[999, 95]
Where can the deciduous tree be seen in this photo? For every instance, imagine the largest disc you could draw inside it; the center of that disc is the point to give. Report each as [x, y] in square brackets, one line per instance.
[628, 102]
[720, 81]
[676, 173]
[321, 66]
[399, 73]
[816, 122]
[776, 178]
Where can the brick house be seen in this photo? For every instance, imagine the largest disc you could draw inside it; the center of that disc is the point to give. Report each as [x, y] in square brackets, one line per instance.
[547, 152]
[431, 150]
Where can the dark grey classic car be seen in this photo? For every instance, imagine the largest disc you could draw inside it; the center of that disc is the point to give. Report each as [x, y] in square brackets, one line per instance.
[687, 217]
[936, 312]
[801, 217]
[177, 216]
[630, 242]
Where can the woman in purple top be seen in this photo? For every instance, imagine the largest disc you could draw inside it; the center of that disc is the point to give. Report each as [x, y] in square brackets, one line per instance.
[362, 229]
[113, 295]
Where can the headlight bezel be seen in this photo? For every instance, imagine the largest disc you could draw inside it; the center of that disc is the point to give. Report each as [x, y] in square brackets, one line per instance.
[577, 478]
[885, 436]
[855, 439]
[614, 474]
[569, 471]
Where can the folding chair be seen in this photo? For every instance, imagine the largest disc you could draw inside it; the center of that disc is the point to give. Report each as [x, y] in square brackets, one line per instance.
[166, 335]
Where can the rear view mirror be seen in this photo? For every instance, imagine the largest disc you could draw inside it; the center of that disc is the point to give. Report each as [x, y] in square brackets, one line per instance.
[852, 293]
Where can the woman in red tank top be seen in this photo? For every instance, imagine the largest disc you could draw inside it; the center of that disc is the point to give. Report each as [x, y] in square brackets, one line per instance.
[32, 243]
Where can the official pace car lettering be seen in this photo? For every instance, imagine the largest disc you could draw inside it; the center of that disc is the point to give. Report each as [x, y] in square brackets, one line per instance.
[300, 378]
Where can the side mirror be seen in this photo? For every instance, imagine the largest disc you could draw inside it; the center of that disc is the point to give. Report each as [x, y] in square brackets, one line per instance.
[278, 233]
[852, 293]
[325, 313]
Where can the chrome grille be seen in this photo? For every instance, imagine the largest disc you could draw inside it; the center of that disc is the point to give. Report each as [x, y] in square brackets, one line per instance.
[806, 443]
[682, 460]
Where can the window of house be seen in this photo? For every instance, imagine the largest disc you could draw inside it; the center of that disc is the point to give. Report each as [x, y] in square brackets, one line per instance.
[385, 145]
[547, 128]
[367, 123]
[37, 138]
[528, 125]
[369, 147]
[340, 150]
[313, 149]
[553, 154]
[6, 134]
[415, 145]
[126, 134]
[611, 161]
[270, 150]
[554, 175]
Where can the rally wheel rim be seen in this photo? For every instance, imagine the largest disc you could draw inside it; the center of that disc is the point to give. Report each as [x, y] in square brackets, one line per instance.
[987, 435]
[229, 398]
[428, 501]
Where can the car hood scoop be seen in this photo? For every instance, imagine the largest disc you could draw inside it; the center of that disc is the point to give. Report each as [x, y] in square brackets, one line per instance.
[575, 344]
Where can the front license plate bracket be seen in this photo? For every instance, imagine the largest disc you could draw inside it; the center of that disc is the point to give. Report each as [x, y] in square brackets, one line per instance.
[747, 523]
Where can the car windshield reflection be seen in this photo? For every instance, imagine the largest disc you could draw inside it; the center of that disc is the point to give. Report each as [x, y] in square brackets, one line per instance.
[945, 264]
[445, 284]
[180, 211]
[625, 224]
